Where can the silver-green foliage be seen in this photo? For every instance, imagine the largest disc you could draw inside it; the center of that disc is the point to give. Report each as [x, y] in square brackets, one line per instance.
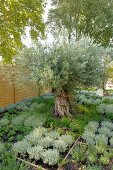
[56, 65]
[88, 98]
[38, 143]
[48, 96]
[19, 120]
[105, 108]
[101, 108]
[97, 101]
[21, 106]
[88, 134]
[60, 145]
[2, 110]
[86, 101]
[4, 121]
[92, 126]
[46, 142]
[21, 147]
[50, 157]
[35, 152]
[105, 131]
[36, 135]
[92, 138]
[53, 134]
[34, 121]
[108, 99]
[97, 136]
[109, 108]
[107, 124]
[11, 108]
[89, 137]
[68, 139]
[37, 106]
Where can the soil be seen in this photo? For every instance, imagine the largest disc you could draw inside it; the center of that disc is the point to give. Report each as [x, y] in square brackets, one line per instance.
[5, 138]
[75, 166]
[40, 163]
[109, 167]
[71, 166]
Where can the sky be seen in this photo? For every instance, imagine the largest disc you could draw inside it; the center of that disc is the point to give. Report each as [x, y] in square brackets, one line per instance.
[27, 39]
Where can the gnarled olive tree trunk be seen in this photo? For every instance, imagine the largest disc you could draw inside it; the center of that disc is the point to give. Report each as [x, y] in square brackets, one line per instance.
[62, 104]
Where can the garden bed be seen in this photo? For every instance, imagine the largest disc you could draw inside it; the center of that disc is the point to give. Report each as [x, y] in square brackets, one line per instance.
[39, 164]
[16, 125]
[95, 148]
[44, 148]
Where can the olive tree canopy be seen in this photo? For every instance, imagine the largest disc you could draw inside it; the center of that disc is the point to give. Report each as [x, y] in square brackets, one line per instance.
[63, 67]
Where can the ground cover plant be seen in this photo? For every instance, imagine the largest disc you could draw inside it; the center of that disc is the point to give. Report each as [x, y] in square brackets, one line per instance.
[104, 105]
[43, 144]
[13, 127]
[95, 148]
[16, 128]
[88, 98]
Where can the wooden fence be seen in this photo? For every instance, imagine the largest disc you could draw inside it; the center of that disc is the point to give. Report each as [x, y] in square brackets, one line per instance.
[10, 92]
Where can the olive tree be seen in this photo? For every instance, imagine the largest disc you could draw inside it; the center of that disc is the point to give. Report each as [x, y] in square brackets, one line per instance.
[63, 68]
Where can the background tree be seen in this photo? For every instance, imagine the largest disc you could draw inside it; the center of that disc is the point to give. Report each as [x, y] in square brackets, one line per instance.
[15, 16]
[63, 68]
[89, 17]
[107, 68]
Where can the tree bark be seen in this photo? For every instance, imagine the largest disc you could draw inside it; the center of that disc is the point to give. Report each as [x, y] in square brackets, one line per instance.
[62, 104]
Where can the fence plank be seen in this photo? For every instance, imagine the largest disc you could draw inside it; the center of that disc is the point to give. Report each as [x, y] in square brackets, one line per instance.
[10, 92]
